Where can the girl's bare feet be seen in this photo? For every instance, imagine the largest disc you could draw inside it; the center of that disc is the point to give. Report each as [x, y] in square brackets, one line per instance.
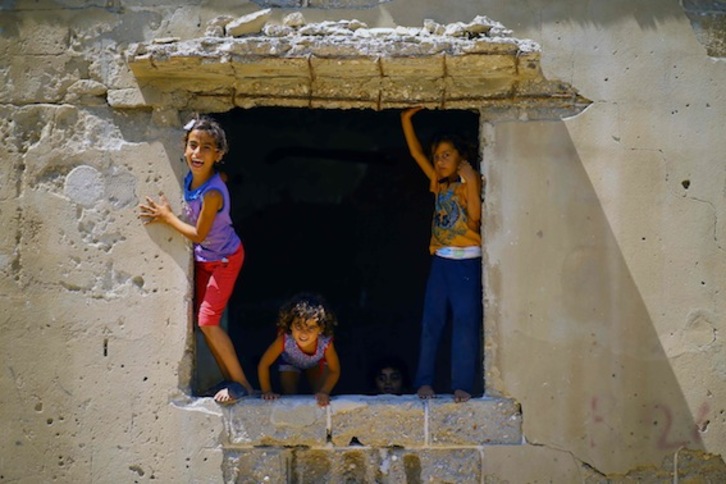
[232, 393]
[425, 391]
[461, 396]
[223, 397]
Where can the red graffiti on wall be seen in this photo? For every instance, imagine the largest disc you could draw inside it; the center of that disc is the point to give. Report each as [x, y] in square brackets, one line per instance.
[595, 414]
[664, 442]
[666, 437]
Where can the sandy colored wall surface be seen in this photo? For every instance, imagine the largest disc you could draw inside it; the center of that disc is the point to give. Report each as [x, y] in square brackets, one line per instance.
[604, 247]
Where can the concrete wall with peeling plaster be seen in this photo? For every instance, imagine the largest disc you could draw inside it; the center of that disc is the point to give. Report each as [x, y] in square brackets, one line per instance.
[604, 246]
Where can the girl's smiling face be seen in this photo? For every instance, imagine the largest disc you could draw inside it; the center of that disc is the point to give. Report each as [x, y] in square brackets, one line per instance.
[305, 333]
[201, 152]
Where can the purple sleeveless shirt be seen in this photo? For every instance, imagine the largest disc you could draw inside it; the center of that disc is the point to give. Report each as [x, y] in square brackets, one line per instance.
[222, 241]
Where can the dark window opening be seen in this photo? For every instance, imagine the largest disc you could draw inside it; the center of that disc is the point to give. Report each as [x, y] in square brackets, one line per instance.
[330, 201]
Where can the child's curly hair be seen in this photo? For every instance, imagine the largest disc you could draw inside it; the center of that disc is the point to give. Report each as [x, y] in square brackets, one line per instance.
[211, 126]
[305, 306]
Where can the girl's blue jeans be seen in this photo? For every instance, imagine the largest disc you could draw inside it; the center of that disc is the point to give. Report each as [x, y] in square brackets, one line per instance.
[456, 285]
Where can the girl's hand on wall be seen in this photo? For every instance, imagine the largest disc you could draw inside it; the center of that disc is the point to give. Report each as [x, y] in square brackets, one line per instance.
[155, 211]
[323, 399]
[270, 396]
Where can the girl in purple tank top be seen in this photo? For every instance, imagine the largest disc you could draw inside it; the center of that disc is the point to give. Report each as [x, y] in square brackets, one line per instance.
[304, 343]
[218, 251]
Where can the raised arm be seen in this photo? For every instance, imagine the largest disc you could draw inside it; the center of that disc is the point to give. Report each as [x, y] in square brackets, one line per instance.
[414, 145]
[263, 368]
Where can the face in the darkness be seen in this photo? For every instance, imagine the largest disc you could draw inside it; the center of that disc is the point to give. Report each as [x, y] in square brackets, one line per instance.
[446, 159]
[389, 380]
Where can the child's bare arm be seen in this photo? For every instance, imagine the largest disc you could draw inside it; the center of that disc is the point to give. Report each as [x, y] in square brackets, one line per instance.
[472, 186]
[331, 378]
[414, 145]
[161, 212]
[263, 368]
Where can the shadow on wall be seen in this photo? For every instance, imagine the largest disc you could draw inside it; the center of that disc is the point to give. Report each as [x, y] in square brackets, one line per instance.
[582, 353]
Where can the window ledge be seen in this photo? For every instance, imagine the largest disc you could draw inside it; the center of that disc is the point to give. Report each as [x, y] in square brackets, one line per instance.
[375, 421]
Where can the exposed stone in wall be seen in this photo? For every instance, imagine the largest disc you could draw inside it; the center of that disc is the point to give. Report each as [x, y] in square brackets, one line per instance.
[345, 64]
[366, 439]
[708, 18]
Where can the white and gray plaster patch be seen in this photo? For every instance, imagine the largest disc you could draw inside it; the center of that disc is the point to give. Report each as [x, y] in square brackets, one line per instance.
[84, 185]
[120, 188]
[5, 261]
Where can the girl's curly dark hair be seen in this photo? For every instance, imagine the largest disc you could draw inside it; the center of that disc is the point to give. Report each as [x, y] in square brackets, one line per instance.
[305, 306]
[211, 126]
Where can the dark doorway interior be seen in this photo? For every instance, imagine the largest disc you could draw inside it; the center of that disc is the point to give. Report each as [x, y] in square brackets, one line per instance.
[330, 201]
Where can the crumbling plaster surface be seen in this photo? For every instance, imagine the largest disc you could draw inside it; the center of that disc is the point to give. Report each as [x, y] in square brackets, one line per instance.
[76, 299]
[636, 332]
[606, 269]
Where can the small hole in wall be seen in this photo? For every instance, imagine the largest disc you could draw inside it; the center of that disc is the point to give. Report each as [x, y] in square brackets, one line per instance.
[686, 184]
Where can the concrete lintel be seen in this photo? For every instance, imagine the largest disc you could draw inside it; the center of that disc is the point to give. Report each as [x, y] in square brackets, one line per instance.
[271, 67]
[356, 72]
[345, 68]
[407, 90]
[354, 88]
[481, 66]
[282, 87]
[402, 68]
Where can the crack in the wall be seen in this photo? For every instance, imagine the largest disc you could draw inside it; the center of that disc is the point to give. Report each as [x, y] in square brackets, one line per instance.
[16, 266]
[687, 184]
[695, 464]
[715, 218]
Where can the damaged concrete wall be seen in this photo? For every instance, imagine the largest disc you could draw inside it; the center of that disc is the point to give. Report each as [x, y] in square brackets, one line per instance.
[604, 248]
